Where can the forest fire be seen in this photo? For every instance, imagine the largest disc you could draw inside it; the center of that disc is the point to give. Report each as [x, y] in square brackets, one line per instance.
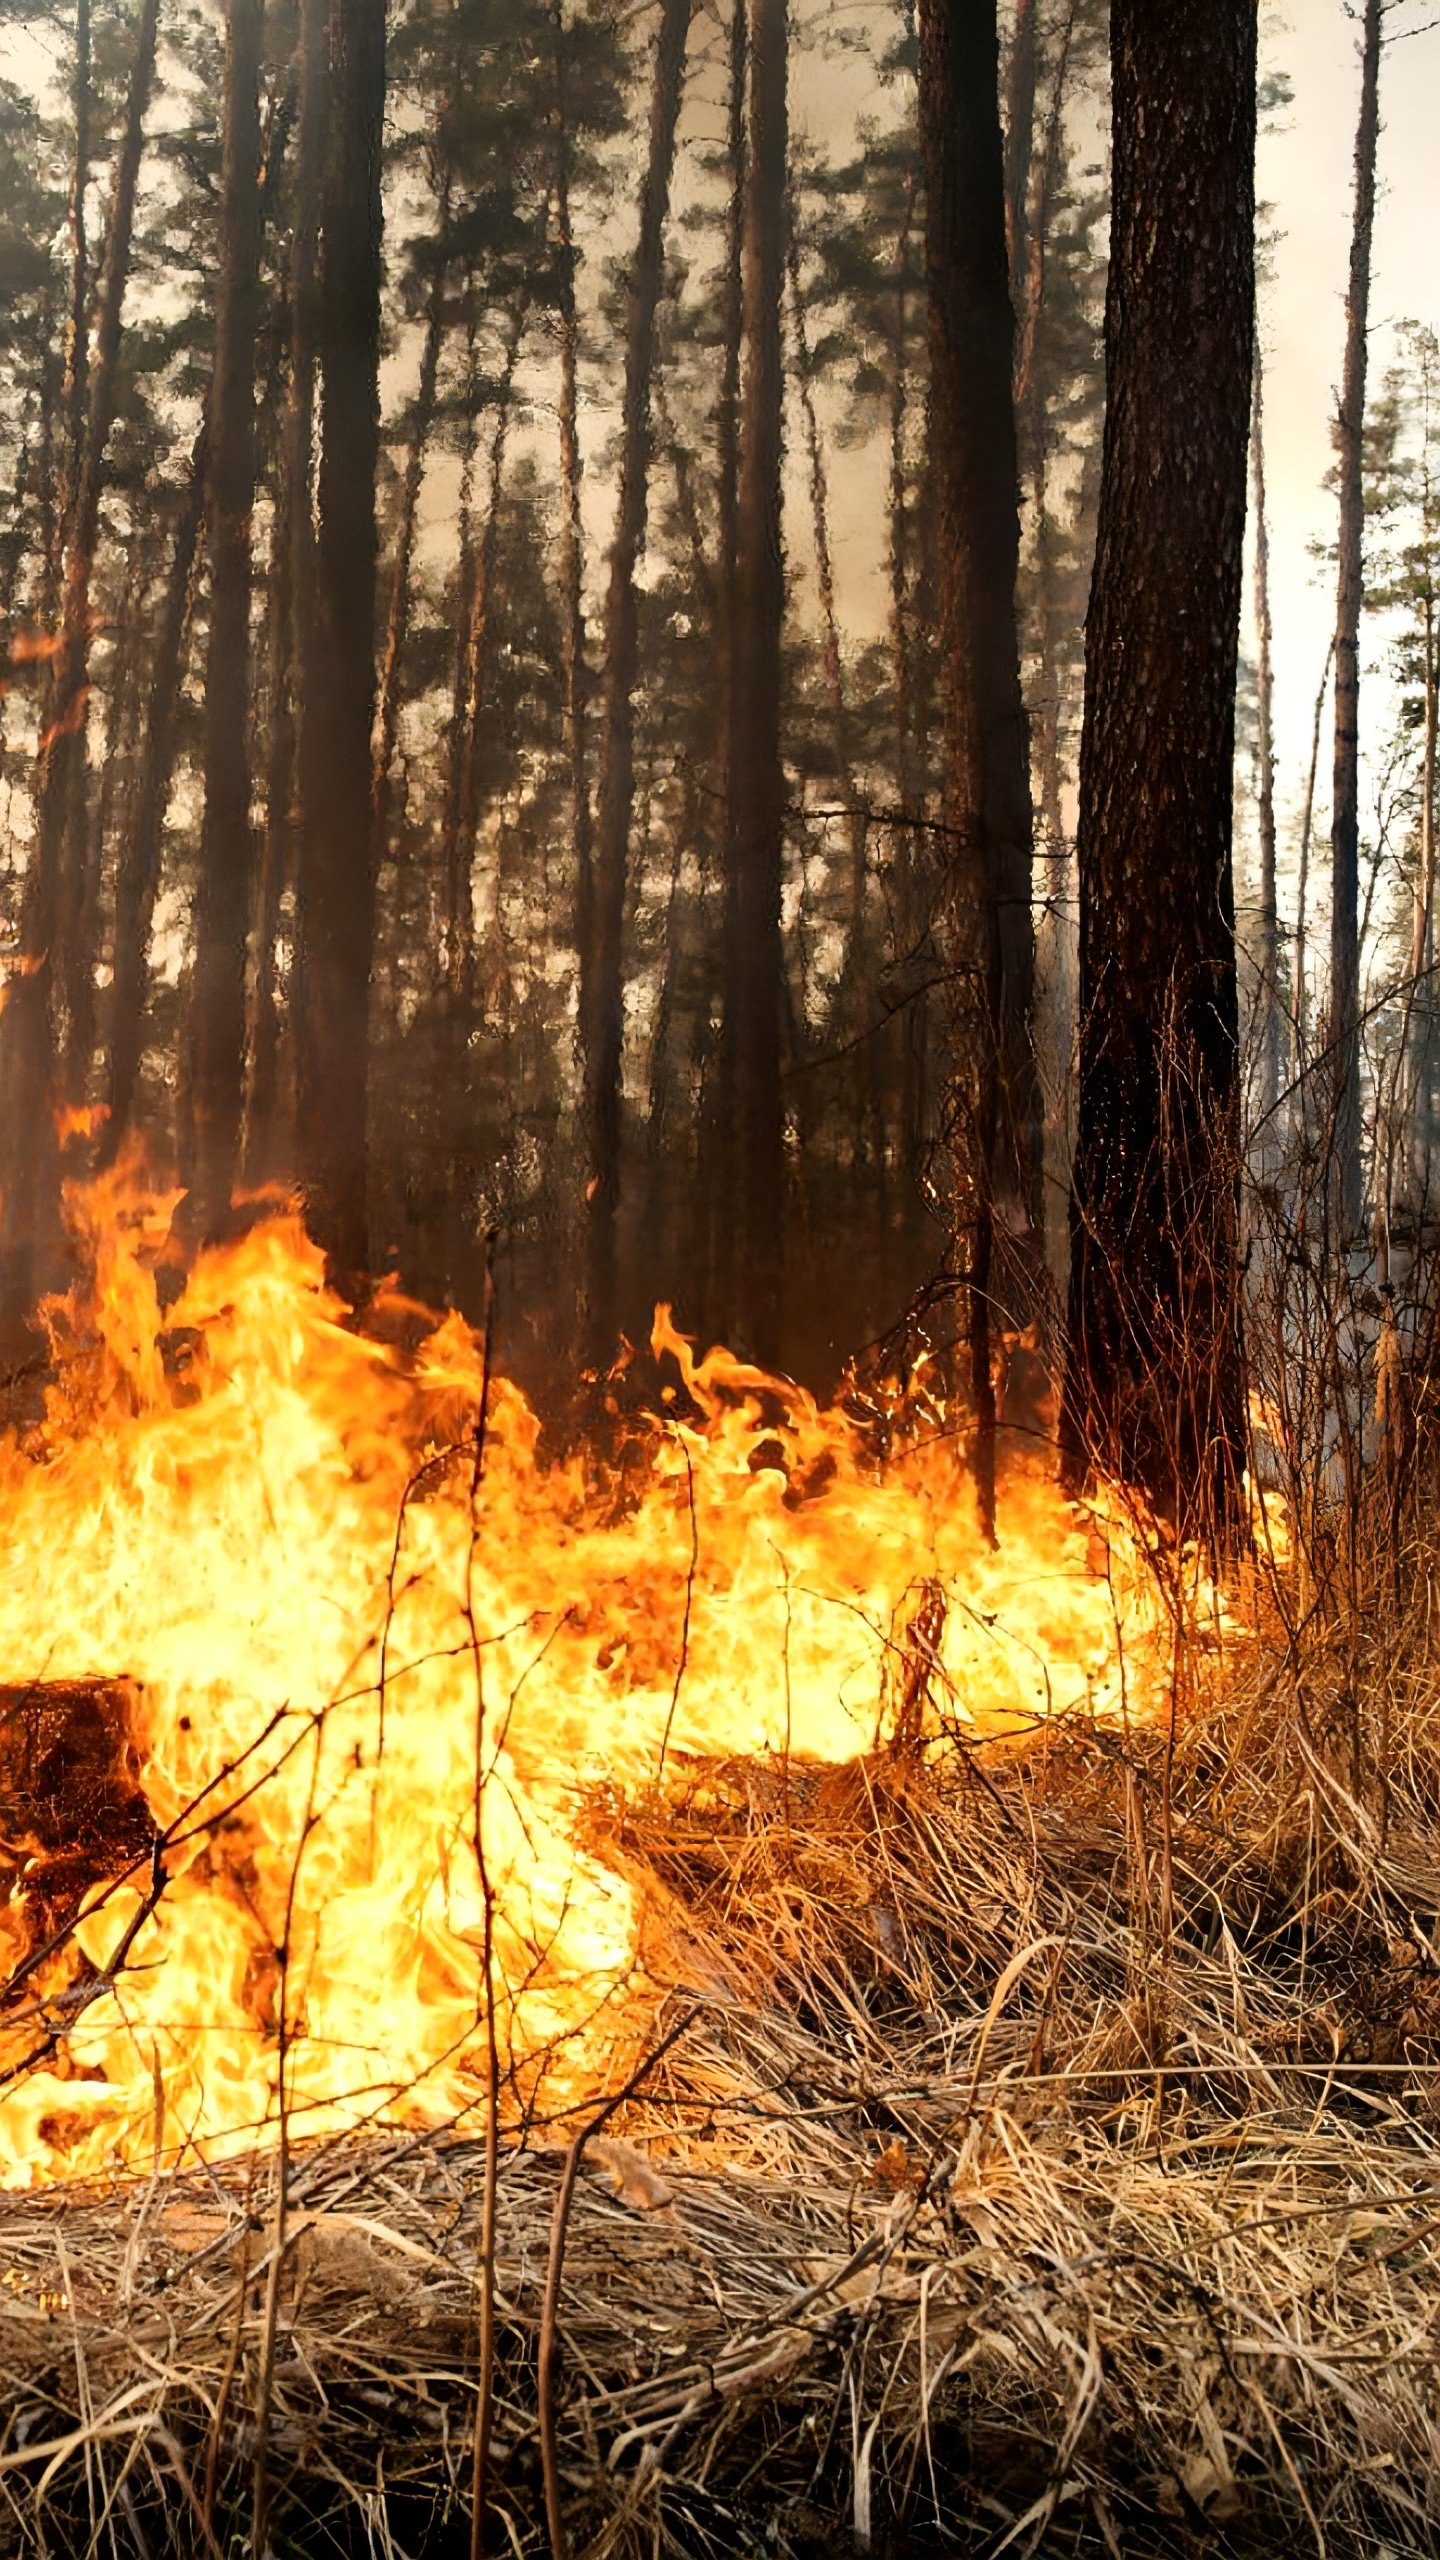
[327, 1592]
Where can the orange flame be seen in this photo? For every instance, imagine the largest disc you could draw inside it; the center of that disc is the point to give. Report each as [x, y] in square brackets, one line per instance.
[32, 648]
[386, 1667]
[71, 719]
[79, 1120]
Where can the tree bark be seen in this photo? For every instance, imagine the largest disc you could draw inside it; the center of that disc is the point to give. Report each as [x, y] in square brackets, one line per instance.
[1267, 989]
[1021, 76]
[138, 866]
[397, 618]
[993, 1110]
[1416, 1034]
[462, 590]
[28, 1045]
[1153, 1390]
[222, 911]
[602, 987]
[831, 658]
[1037, 237]
[572, 530]
[276, 844]
[719, 1249]
[1344, 1026]
[77, 333]
[460, 869]
[756, 976]
[292, 656]
[336, 882]
[121, 722]
[1302, 875]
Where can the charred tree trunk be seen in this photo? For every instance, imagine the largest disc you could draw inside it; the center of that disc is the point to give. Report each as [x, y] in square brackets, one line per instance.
[336, 882]
[28, 1055]
[222, 912]
[993, 1109]
[602, 984]
[138, 866]
[1154, 1385]
[756, 976]
[1344, 1027]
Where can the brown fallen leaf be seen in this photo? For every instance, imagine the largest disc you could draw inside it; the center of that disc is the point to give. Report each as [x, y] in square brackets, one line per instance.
[629, 2174]
[896, 2170]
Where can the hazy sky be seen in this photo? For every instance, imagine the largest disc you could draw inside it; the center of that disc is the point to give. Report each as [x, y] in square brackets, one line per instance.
[1306, 175]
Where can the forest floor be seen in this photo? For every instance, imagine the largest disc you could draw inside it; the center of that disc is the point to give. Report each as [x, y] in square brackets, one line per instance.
[1047, 2158]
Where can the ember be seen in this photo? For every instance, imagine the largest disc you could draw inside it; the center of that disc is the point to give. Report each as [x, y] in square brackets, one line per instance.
[329, 1595]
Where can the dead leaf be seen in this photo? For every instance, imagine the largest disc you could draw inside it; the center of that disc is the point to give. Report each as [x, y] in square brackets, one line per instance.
[896, 2170]
[629, 2174]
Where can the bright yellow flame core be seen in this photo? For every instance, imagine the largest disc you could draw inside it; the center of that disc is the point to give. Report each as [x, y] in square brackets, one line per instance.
[266, 1520]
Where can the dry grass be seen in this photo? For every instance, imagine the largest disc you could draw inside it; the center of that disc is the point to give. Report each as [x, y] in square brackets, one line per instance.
[1032, 2172]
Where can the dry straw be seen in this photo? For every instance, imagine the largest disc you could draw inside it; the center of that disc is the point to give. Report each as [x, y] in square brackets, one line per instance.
[987, 2198]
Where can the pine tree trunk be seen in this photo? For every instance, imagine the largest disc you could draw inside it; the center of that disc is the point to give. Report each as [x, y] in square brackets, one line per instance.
[222, 908]
[1302, 873]
[79, 944]
[50, 478]
[137, 870]
[717, 1258]
[1267, 990]
[276, 843]
[462, 597]
[1344, 1026]
[572, 531]
[77, 332]
[757, 781]
[15, 545]
[460, 864]
[1021, 76]
[993, 1114]
[397, 618]
[299, 783]
[1420, 996]
[1030, 302]
[1153, 1389]
[831, 659]
[602, 982]
[898, 547]
[336, 882]
[27, 1033]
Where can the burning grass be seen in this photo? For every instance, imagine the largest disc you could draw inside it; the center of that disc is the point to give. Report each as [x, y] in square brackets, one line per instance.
[1020, 2019]
[973, 2206]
